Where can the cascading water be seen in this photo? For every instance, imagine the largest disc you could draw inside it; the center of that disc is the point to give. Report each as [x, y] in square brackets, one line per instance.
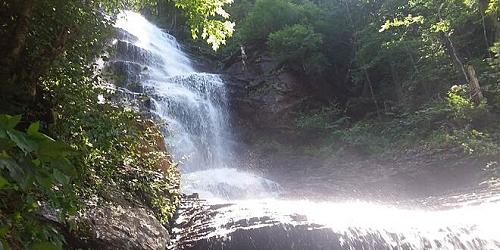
[192, 105]
[194, 109]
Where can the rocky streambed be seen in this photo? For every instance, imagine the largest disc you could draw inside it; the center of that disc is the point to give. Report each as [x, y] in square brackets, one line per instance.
[417, 200]
[301, 224]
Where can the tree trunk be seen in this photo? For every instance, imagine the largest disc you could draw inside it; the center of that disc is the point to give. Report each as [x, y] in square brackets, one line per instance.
[397, 83]
[18, 39]
[12, 74]
[459, 65]
[483, 6]
[448, 43]
[370, 86]
[493, 19]
[475, 89]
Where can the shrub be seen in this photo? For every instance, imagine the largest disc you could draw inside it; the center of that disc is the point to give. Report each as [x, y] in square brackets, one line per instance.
[34, 171]
[323, 119]
[299, 48]
[266, 17]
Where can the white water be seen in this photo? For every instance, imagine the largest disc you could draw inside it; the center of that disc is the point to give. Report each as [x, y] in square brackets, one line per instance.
[376, 225]
[193, 106]
[229, 184]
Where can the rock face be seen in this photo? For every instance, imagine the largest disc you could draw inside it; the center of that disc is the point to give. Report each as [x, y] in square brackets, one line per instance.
[117, 219]
[132, 211]
[262, 95]
[123, 227]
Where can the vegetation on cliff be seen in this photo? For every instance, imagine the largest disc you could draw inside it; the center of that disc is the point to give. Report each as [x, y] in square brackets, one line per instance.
[64, 143]
[383, 74]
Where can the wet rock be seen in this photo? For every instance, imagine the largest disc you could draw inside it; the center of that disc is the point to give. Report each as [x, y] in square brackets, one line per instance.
[126, 74]
[122, 34]
[123, 227]
[127, 51]
[263, 95]
[114, 221]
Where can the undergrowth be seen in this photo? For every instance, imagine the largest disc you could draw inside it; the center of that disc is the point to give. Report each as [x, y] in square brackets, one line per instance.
[452, 122]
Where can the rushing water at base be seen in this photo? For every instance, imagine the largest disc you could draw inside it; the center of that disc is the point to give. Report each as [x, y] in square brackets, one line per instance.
[283, 224]
[194, 107]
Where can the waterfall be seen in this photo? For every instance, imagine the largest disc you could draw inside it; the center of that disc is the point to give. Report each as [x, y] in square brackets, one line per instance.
[194, 109]
[192, 105]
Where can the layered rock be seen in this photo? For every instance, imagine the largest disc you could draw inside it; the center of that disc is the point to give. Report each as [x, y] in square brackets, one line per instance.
[263, 95]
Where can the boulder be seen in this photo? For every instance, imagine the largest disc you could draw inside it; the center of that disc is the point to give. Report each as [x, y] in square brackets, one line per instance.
[123, 227]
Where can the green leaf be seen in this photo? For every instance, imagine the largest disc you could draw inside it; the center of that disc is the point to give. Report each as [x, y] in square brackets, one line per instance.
[53, 149]
[3, 182]
[15, 170]
[64, 165]
[33, 128]
[45, 246]
[22, 141]
[36, 162]
[60, 177]
[34, 131]
[9, 122]
[3, 133]
[45, 182]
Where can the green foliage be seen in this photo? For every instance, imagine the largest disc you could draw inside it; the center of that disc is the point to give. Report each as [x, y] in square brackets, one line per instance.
[265, 17]
[406, 55]
[34, 171]
[462, 106]
[473, 142]
[299, 47]
[95, 140]
[159, 190]
[200, 15]
[112, 140]
[322, 119]
[453, 122]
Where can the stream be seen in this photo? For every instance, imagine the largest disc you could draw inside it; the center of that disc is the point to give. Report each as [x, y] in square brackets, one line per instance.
[234, 208]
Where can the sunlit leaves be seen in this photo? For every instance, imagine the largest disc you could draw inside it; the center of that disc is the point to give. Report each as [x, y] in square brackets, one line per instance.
[208, 19]
[33, 168]
[493, 7]
[405, 22]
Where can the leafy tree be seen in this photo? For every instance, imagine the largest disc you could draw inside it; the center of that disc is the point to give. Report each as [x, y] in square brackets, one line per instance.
[266, 17]
[35, 171]
[299, 47]
[200, 13]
